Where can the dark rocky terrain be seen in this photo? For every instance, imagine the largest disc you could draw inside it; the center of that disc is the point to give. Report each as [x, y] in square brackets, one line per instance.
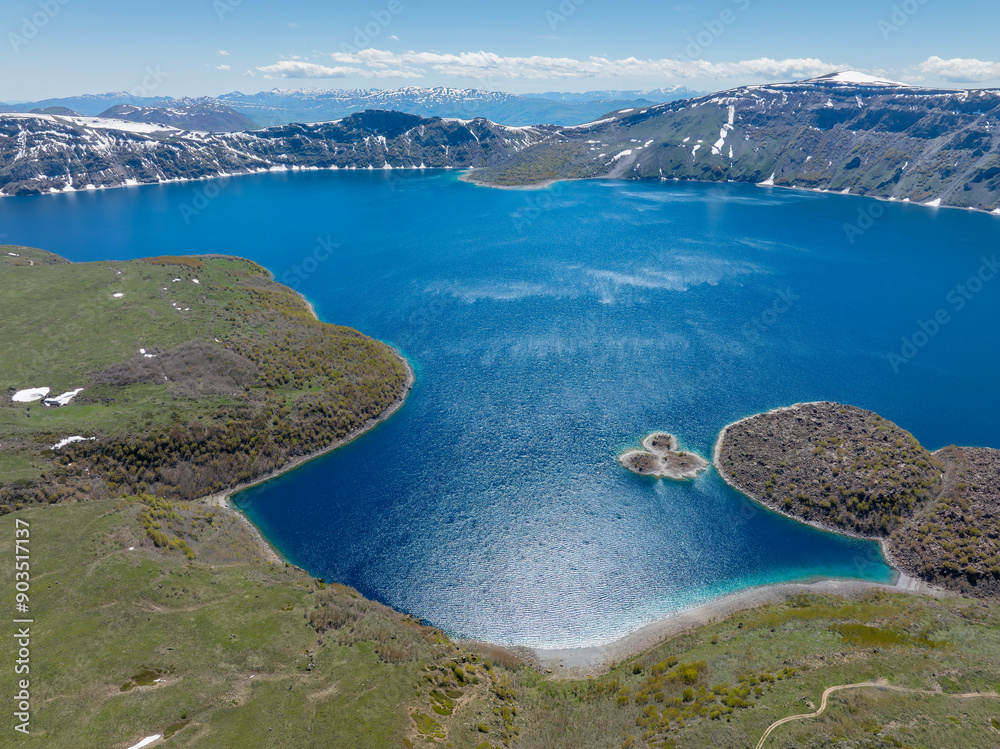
[955, 542]
[847, 469]
[831, 464]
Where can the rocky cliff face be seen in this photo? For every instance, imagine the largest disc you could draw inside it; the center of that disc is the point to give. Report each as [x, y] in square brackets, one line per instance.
[46, 153]
[844, 133]
[836, 133]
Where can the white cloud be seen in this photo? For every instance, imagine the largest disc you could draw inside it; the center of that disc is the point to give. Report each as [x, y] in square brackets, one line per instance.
[300, 69]
[223, 53]
[224, 68]
[377, 63]
[249, 74]
[393, 37]
[967, 70]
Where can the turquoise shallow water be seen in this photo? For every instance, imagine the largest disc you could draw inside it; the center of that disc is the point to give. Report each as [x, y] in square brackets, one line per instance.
[549, 331]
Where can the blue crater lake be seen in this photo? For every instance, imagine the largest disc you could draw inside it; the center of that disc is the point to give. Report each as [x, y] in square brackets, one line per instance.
[549, 331]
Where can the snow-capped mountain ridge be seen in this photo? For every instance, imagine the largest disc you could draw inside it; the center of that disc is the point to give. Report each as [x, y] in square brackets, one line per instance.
[46, 153]
[842, 133]
[280, 106]
[839, 133]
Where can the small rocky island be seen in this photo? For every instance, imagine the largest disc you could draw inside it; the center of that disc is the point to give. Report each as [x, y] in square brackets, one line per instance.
[662, 459]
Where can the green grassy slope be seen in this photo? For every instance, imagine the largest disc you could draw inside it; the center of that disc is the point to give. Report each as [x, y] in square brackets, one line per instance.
[236, 654]
[242, 377]
[250, 653]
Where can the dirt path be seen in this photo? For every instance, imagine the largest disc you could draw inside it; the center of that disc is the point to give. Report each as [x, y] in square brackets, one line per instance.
[880, 684]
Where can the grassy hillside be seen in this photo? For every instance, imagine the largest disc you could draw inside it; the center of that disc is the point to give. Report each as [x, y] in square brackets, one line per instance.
[132, 640]
[197, 374]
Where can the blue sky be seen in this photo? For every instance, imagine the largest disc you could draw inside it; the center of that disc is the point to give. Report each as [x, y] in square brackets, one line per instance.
[205, 47]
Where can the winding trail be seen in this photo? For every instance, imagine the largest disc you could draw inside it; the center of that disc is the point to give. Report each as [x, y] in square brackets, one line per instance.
[878, 684]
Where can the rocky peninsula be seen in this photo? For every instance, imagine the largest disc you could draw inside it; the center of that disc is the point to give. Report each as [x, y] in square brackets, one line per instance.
[845, 469]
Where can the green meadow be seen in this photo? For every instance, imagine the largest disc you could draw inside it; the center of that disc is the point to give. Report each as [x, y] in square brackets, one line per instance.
[132, 640]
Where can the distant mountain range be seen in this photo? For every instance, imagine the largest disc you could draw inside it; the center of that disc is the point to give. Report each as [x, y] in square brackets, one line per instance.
[185, 114]
[206, 116]
[669, 93]
[846, 133]
[283, 107]
[90, 105]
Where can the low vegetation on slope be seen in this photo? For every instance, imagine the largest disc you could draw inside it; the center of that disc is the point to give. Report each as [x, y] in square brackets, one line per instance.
[898, 142]
[198, 373]
[131, 639]
[852, 470]
[956, 541]
[831, 464]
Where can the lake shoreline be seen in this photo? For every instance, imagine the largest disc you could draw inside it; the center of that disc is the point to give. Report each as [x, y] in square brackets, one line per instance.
[584, 661]
[581, 662]
[578, 662]
[883, 542]
[466, 176]
[465, 172]
[545, 184]
[223, 499]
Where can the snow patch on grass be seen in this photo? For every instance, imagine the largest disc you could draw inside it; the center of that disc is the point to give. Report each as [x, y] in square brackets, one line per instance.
[70, 440]
[30, 395]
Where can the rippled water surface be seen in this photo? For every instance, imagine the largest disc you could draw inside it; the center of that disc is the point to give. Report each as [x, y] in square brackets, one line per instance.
[549, 331]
